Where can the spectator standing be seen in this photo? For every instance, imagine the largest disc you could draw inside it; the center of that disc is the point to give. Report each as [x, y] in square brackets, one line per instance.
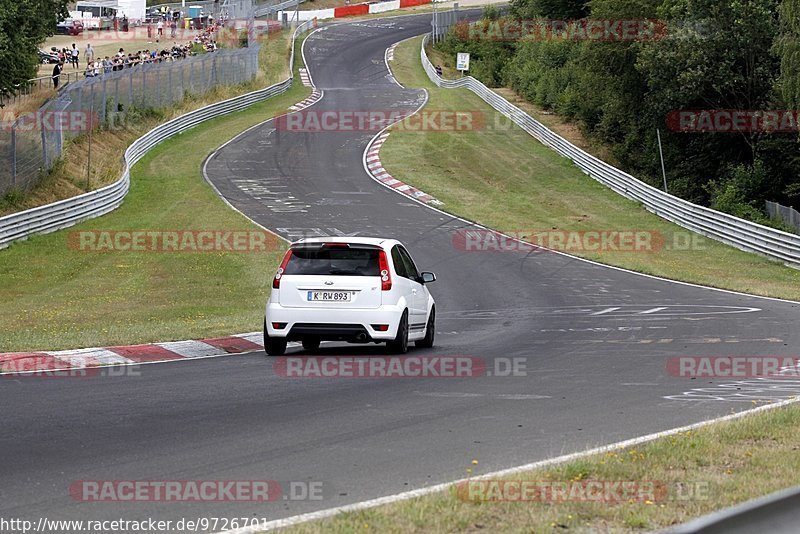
[89, 53]
[57, 73]
[160, 27]
[74, 53]
[173, 26]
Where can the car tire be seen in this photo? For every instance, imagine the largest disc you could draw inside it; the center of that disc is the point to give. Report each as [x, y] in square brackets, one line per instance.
[311, 344]
[399, 345]
[430, 331]
[273, 346]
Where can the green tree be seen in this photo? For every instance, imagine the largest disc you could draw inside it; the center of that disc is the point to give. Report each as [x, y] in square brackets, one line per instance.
[549, 9]
[24, 24]
[717, 55]
[787, 46]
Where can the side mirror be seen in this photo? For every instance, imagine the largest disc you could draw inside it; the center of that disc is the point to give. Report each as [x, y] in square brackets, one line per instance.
[427, 278]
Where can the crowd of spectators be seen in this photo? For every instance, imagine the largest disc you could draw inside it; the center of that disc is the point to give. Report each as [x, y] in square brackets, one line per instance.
[205, 39]
[122, 60]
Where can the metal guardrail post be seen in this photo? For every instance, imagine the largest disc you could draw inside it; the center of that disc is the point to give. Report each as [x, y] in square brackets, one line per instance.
[60, 133]
[80, 98]
[158, 85]
[43, 135]
[116, 95]
[13, 156]
[144, 86]
[104, 105]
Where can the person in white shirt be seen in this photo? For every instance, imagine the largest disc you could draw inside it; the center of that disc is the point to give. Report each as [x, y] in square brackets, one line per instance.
[89, 54]
[74, 56]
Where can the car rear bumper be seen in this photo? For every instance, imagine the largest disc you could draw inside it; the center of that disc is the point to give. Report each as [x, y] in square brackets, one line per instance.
[333, 324]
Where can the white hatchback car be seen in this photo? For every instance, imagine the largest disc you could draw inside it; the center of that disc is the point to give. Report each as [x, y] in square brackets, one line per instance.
[354, 289]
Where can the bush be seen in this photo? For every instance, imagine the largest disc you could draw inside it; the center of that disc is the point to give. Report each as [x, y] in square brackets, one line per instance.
[491, 12]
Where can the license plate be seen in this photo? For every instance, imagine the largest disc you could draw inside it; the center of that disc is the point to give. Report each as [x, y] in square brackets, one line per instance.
[329, 296]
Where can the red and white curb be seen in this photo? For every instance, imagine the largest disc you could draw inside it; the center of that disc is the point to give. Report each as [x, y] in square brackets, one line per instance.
[305, 78]
[310, 101]
[375, 168]
[65, 360]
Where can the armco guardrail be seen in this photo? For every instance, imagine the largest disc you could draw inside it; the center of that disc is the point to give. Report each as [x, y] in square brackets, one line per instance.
[263, 11]
[68, 212]
[742, 234]
[778, 513]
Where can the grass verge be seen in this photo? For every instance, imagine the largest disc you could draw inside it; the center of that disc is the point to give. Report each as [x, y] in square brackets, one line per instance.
[55, 297]
[503, 178]
[693, 473]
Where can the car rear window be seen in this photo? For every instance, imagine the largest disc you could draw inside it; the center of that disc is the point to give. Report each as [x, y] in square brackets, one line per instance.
[334, 262]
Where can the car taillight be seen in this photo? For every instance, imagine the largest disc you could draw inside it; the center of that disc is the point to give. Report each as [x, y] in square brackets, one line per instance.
[386, 274]
[276, 282]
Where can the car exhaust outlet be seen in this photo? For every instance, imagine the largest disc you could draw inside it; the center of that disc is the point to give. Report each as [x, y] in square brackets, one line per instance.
[361, 337]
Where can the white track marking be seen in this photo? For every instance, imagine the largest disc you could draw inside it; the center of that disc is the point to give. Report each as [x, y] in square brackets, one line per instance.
[190, 348]
[79, 358]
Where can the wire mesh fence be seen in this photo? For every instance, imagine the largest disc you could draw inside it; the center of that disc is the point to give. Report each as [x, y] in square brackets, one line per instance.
[32, 143]
[785, 213]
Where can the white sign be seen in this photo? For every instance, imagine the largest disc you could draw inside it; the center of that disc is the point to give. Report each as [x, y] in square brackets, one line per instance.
[462, 61]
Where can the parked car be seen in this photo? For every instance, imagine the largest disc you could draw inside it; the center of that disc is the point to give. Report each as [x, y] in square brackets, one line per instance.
[354, 289]
[47, 58]
[69, 27]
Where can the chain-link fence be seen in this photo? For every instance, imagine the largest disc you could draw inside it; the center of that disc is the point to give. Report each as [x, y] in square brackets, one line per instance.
[788, 215]
[31, 144]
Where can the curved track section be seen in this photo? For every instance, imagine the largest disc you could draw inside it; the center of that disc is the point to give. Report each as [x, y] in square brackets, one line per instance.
[595, 342]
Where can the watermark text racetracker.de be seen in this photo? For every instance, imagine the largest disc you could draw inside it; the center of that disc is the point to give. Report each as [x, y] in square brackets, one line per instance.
[195, 524]
[365, 120]
[50, 367]
[540, 29]
[397, 367]
[174, 241]
[592, 491]
[179, 491]
[76, 121]
[736, 121]
[734, 367]
[574, 241]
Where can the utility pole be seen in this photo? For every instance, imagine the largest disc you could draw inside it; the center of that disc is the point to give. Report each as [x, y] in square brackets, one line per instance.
[435, 24]
[661, 154]
[90, 126]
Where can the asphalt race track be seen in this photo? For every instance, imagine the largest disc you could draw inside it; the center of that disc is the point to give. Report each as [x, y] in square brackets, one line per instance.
[595, 342]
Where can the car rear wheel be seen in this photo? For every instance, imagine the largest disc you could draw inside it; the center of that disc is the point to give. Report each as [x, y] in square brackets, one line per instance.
[430, 330]
[399, 344]
[311, 344]
[273, 346]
